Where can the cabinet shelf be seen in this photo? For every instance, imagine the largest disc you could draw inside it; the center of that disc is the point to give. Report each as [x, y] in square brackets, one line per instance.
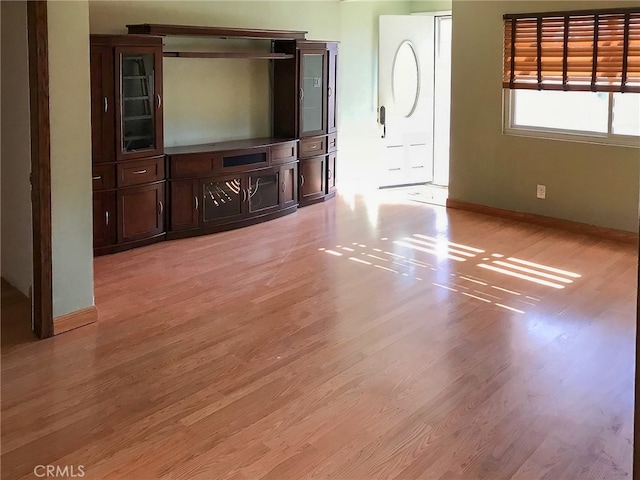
[144, 97]
[137, 117]
[134, 77]
[137, 137]
[255, 55]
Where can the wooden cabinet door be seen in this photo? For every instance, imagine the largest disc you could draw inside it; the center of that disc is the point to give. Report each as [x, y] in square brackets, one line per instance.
[312, 73]
[332, 75]
[138, 73]
[312, 179]
[140, 212]
[103, 111]
[104, 219]
[185, 204]
[331, 173]
[264, 193]
[289, 185]
[223, 199]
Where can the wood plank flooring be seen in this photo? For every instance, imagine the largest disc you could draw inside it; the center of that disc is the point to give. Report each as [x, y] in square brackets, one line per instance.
[364, 338]
[16, 318]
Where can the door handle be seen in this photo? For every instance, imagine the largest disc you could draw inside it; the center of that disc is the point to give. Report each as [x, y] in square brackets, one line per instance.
[196, 201]
[284, 187]
[161, 207]
[97, 177]
[383, 120]
[159, 99]
[301, 94]
[106, 217]
[106, 105]
[330, 92]
[301, 180]
[329, 174]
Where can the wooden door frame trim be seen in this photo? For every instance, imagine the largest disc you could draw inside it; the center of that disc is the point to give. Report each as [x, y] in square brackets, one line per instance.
[636, 409]
[38, 44]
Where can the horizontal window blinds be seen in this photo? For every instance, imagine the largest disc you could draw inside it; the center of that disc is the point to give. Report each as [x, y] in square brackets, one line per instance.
[595, 50]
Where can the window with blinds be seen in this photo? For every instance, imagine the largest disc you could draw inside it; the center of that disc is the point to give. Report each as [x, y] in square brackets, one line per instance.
[597, 51]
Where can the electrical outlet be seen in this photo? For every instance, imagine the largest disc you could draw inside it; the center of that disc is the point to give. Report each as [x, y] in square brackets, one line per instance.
[541, 191]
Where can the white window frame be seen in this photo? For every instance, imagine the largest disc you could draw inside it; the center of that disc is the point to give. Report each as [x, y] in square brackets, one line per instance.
[509, 128]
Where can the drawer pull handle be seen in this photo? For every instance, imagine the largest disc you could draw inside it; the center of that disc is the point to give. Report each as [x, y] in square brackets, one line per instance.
[196, 199]
[301, 180]
[161, 207]
[244, 195]
[313, 147]
[97, 177]
[106, 217]
[140, 172]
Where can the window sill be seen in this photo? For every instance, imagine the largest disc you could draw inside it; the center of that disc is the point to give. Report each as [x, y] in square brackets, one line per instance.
[577, 137]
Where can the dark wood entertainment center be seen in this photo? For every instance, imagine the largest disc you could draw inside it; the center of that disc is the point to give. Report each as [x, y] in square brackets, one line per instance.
[144, 192]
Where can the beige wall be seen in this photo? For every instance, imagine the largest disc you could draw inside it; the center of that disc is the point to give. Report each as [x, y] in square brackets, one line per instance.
[431, 6]
[17, 255]
[70, 117]
[588, 183]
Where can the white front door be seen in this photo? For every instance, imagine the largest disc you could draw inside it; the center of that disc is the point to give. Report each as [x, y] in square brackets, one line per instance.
[405, 99]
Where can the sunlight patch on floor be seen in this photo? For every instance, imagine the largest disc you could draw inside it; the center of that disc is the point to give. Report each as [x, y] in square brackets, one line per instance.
[471, 286]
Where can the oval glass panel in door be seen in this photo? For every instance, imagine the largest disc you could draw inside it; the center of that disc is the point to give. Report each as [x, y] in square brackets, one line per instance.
[406, 79]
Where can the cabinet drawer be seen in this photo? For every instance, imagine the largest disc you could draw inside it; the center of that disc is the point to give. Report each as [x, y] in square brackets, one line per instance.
[103, 177]
[332, 142]
[310, 147]
[284, 153]
[192, 165]
[140, 171]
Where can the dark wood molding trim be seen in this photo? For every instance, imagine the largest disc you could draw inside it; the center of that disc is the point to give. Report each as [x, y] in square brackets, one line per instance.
[220, 32]
[70, 321]
[40, 166]
[576, 227]
[636, 406]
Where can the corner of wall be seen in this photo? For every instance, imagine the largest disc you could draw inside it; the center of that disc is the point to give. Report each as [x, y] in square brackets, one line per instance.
[70, 119]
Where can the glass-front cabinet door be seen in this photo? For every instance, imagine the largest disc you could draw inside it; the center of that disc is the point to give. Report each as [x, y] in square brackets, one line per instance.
[264, 191]
[222, 199]
[139, 99]
[313, 91]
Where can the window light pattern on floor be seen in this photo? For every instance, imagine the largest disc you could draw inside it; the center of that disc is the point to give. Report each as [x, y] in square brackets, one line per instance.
[471, 286]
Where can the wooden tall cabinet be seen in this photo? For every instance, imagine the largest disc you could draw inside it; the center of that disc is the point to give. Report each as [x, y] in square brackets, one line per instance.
[305, 106]
[127, 146]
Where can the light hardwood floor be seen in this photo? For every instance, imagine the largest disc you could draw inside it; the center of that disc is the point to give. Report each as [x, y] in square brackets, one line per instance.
[351, 340]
